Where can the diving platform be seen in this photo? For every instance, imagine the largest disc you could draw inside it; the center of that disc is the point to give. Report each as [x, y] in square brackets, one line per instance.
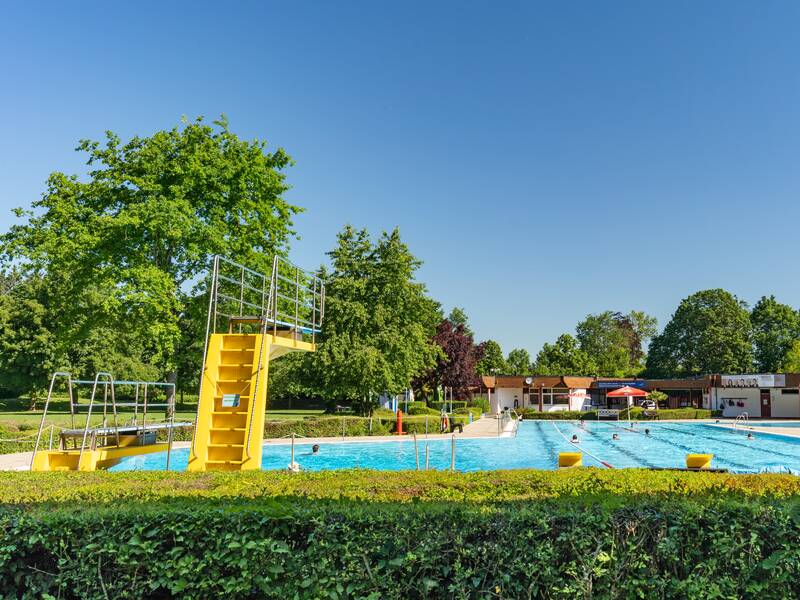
[100, 446]
[253, 319]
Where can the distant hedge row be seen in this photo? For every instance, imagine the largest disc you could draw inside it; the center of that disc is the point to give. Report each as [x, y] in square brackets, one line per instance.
[636, 414]
[665, 544]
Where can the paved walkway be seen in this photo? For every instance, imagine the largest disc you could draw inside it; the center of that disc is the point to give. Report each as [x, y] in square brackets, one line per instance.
[485, 427]
[753, 426]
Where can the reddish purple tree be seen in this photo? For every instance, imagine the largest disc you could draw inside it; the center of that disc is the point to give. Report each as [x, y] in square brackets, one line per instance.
[456, 369]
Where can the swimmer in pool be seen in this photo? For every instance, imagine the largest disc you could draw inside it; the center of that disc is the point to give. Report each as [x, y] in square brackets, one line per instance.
[575, 439]
[749, 437]
[314, 449]
[647, 432]
[615, 436]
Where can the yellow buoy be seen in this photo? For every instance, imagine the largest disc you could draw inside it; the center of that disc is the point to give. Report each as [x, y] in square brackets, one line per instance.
[699, 461]
[570, 459]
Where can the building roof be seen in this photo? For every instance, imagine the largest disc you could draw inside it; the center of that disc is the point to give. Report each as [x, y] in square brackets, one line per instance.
[577, 382]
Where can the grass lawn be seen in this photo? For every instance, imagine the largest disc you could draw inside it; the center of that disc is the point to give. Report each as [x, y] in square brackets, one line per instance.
[15, 414]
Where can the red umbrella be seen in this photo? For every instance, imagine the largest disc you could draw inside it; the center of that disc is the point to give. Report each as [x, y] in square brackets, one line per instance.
[625, 392]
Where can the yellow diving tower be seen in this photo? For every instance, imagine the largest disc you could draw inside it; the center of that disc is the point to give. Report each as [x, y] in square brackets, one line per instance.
[252, 320]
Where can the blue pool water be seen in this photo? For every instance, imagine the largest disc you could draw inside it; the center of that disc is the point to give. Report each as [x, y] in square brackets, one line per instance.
[775, 424]
[536, 446]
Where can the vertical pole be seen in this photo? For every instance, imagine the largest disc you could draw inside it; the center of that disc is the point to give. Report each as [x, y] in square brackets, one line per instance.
[171, 409]
[427, 455]
[343, 427]
[114, 408]
[314, 312]
[71, 405]
[453, 453]
[416, 451]
[291, 464]
[296, 297]
[144, 411]
[52, 427]
[241, 299]
[105, 403]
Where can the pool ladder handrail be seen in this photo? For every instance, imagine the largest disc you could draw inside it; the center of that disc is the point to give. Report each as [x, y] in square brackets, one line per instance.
[741, 418]
[515, 421]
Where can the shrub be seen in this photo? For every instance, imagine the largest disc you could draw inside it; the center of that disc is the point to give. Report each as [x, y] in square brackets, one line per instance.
[421, 408]
[568, 415]
[480, 402]
[446, 405]
[281, 542]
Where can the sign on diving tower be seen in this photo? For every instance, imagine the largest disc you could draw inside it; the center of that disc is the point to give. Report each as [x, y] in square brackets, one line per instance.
[253, 319]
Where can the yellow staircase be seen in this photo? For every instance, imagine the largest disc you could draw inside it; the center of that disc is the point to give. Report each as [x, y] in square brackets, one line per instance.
[233, 399]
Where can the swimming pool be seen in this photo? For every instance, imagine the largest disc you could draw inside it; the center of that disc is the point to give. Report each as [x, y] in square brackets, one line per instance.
[536, 446]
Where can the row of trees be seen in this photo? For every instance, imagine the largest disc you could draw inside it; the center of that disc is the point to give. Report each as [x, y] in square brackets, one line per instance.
[712, 331]
[106, 272]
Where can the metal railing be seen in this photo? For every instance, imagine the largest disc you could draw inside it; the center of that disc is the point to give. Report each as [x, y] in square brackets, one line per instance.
[741, 419]
[289, 300]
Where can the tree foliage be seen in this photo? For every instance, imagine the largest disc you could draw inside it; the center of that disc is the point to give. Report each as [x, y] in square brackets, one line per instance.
[455, 368]
[710, 332]
[518, 362]
[791, 362]
[376, 336]
[776, 327]
[118, 248]
[564, 357]
[458, 316]
[491, 359]
[615, 341]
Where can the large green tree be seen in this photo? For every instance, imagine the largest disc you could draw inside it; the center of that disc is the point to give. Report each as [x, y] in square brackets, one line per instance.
[776, 326]
[791, 363]
[378, 326]
[601, 337]
[491, 359]
[615, 341]
[564, 357]
[121, 247]
[518, 362]
[710, 332]
[29, 352]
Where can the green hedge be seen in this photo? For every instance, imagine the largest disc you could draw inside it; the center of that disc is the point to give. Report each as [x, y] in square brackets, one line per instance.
[691, 539]
[636, 413]
[596, 485]
[447, 405]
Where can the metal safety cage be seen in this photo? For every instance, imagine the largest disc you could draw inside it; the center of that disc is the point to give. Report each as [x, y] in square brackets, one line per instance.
[289, 300]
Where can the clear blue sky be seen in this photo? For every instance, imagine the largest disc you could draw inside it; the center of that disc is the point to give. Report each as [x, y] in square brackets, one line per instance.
[545, 161]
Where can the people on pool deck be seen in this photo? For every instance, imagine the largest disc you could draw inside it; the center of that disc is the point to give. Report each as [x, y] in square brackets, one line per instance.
[575, 439]
[615, 436]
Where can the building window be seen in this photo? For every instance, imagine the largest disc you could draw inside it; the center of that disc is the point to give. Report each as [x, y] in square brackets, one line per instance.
[552, 396]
